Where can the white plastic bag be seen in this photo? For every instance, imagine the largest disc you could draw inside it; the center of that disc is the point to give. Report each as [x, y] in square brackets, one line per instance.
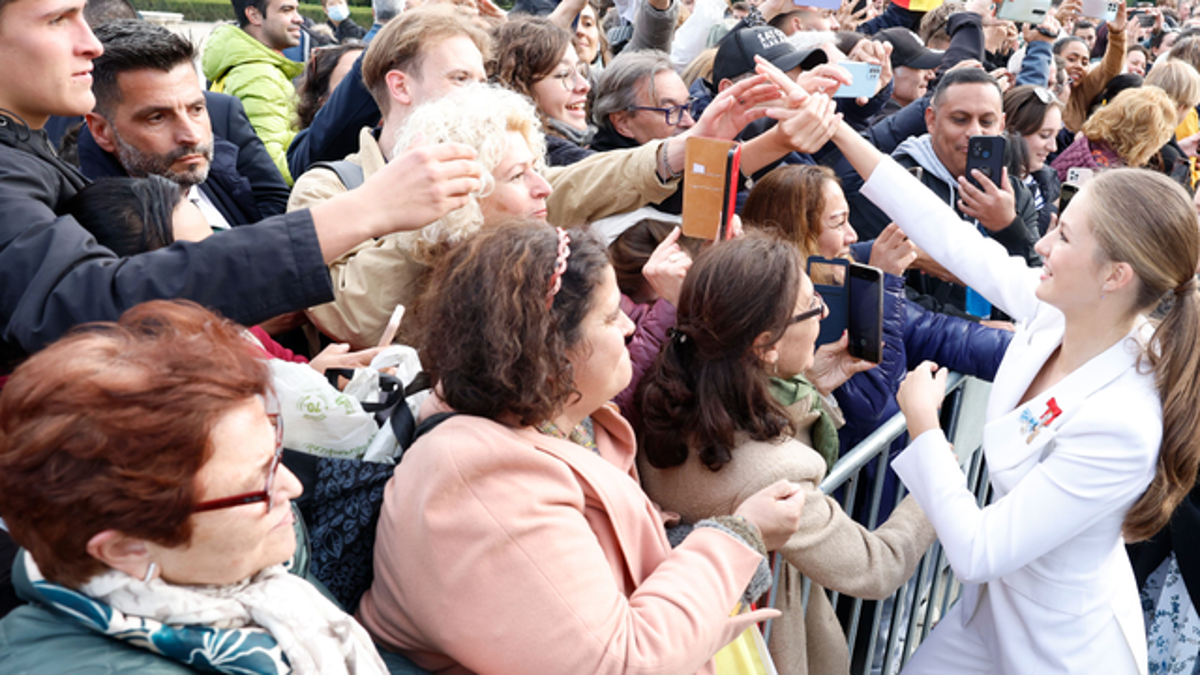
[317, 418]
[384, 447]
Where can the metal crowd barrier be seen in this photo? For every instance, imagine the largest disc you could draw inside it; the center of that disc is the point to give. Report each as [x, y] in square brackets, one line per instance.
[893, 628]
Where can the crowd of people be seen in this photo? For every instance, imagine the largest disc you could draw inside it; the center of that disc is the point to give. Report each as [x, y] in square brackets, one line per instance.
[605, 428]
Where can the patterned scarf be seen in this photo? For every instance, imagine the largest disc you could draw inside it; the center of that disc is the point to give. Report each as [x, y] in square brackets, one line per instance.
[271, 623]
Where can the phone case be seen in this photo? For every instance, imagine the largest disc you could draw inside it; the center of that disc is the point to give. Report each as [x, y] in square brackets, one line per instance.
[1105, 10]
[985, 153]
[831, 279]
[710, 187]
[865, 80]
[1024, 11]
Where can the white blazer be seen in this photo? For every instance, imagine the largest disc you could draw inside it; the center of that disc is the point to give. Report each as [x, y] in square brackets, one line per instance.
[1049, 546]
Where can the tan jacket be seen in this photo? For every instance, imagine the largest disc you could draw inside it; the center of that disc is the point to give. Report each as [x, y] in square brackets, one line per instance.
[829, 548]
[372, 278]
[1094, 81]
[504, 550]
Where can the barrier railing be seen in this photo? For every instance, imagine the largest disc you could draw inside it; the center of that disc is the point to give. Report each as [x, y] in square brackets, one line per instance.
[893, 628]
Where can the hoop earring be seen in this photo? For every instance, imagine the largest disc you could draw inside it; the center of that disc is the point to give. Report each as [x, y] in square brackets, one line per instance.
[150, 572]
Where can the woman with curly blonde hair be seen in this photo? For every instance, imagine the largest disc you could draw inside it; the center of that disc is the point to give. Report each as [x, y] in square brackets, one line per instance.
[1127, 132]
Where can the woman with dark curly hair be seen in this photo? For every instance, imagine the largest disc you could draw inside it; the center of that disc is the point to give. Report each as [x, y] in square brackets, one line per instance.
[514, 536]
[535, 57]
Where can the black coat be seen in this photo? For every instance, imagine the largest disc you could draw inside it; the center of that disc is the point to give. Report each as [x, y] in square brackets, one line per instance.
[54, 276]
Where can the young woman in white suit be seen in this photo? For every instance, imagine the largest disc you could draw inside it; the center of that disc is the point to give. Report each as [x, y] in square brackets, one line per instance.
[1085, 396]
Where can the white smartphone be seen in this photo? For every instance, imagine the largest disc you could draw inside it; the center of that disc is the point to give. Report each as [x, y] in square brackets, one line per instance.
[1105, 10]
[1024, 11]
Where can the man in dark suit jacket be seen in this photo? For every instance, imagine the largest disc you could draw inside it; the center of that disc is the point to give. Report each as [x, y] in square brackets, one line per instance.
[152, 117]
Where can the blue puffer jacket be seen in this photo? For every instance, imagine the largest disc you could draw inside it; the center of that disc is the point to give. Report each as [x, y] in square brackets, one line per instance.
[869, 398]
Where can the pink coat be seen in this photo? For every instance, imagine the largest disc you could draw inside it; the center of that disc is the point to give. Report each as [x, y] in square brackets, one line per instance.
[503, 550]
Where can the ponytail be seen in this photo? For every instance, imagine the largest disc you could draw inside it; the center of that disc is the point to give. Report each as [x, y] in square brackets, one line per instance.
[1176, 360]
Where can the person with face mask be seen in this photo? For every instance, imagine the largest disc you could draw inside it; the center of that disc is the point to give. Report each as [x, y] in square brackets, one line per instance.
[340, 23]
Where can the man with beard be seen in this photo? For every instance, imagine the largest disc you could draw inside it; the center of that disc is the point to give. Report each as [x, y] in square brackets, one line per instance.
[152, 117]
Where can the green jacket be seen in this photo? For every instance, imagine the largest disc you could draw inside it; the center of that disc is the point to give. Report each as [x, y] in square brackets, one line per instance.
[239, 65]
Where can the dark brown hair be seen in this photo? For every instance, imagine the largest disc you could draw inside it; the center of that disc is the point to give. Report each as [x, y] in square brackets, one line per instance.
[108, 427]
[708, 382]
[527, 50]
[630, 252]
[790, 200]
[1024, 112]
[485, 332]
[313, 90]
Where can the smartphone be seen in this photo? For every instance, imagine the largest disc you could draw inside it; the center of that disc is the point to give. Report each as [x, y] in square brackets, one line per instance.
[710, 187]
[821, 4]
[864, 83]
[1024, 11]
[865, 320]
[1069, 190]
[1079, 175]
[985, 153]
[830, 279]
[1105, 10]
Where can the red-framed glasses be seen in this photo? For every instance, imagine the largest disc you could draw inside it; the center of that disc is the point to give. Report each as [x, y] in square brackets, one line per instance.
[263, 495]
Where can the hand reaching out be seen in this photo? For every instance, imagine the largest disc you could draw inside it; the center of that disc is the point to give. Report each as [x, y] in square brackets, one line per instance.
[892, 251]
[920, 395]
[667, 268]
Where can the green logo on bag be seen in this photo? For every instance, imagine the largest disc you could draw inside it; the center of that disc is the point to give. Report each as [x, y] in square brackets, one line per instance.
[316, 407]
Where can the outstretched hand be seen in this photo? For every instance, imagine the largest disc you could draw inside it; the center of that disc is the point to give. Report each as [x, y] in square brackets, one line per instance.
[893, 251]
[734, 108]
[667, 267]
[921, 395]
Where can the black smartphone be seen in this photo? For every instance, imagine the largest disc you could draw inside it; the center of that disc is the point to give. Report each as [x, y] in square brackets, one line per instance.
[1069, 190]
[985, 153]
[865, 320]
[830, 279]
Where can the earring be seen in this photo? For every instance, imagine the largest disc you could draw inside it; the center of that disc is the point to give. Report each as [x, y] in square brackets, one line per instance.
[775, 368]
[150, 572]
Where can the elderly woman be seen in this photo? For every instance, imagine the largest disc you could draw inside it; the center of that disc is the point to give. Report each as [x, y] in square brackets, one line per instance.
[1127, 132]
[139, 469]
[514, 537]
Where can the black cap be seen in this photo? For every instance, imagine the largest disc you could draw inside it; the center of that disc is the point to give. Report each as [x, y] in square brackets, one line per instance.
[736, 52]
[908, 49]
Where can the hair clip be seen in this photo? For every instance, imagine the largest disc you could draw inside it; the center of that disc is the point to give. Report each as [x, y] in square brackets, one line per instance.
[677, 335]
[560, 266]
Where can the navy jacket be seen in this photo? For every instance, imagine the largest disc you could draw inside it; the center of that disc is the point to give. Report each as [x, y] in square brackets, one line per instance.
[232, 193]
[333, 133]
[243, 182]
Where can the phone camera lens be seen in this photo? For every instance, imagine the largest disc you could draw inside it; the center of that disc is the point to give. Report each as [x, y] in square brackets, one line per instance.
[987, 153]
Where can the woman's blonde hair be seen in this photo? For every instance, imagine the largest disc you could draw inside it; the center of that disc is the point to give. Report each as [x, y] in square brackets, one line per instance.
[1135, 124]
[478, 115]
[1142, 218]
[1179, 79]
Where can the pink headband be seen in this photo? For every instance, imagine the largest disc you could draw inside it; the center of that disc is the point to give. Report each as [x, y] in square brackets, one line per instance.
[560, 265]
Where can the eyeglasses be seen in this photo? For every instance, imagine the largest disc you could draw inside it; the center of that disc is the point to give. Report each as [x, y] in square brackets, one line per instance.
[567, 76]
[673, 114]
[818, 308]
[263, 495]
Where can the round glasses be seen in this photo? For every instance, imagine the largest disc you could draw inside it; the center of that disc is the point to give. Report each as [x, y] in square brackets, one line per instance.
[567, 76]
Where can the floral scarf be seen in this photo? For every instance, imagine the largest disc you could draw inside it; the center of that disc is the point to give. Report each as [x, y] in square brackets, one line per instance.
[271, 623]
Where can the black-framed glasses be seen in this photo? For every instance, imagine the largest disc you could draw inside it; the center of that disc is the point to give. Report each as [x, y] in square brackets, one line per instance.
[265, 494]
[816, 310]
[673, 114]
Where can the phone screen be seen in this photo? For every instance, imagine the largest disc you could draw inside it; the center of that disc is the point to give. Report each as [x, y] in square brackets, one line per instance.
[865, 320]
[1069, 190]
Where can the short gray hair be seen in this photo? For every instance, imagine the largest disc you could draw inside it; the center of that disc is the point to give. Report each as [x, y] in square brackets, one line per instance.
[386, 10]
[618, 85]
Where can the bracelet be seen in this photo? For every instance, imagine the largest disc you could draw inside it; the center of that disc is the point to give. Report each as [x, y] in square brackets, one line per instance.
[672, 174]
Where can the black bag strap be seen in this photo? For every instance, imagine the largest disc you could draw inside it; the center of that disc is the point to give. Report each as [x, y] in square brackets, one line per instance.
[348, 172]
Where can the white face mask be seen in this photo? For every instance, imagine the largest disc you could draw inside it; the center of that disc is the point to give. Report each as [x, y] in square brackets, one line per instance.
[338, 13]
